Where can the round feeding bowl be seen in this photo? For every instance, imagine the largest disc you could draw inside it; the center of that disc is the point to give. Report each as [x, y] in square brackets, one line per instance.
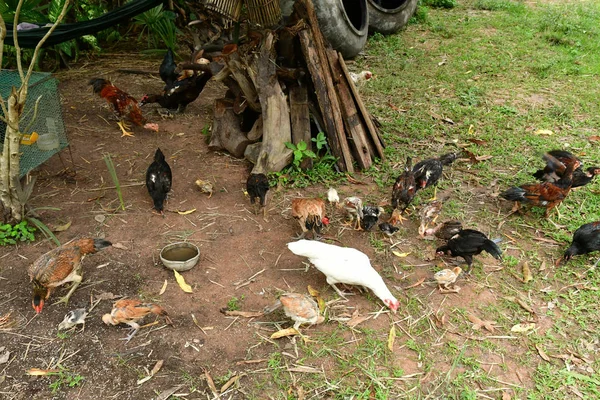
[180, 256]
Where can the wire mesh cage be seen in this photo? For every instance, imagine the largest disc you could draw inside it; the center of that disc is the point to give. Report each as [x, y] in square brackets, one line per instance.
[264, 12]
[261, 12]
[230, 9]
[48, 124]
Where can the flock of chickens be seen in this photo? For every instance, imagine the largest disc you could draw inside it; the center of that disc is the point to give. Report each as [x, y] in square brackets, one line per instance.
[340, 265]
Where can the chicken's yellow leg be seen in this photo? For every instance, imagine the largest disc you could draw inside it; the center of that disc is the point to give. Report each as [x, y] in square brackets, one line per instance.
[76, 281]
[124, 129]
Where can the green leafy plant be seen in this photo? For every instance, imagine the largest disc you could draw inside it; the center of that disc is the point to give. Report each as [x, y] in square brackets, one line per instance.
[65, 378]
[113, 174]
[234, 303]
[300, 151]
[160, 27]
[21, 232]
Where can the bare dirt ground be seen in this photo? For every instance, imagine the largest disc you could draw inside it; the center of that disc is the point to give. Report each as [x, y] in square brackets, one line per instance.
[235, 245]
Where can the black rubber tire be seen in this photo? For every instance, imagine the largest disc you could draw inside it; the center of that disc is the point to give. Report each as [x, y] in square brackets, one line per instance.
[344, 23]
[389, 16]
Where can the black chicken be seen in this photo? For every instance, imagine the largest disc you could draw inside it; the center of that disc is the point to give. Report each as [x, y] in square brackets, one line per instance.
[586, 239]
[168, 68]
[257, 185]
[468, 243]
[158, 180]
[405, 187]
[370, 217]
[178, 94]
[428, 172]
[388, 228]
[556, 162]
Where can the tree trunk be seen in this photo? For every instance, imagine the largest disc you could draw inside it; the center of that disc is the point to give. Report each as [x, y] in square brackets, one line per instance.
[9, 182]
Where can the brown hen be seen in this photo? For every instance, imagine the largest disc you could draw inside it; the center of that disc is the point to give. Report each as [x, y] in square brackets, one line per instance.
[59, 266]
[310, 214]
[546, 194]
[124, 105]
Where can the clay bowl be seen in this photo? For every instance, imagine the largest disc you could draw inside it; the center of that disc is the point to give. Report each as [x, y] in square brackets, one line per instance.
[181, 256]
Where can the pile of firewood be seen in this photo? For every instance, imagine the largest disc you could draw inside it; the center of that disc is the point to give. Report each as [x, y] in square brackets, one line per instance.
[278, 81]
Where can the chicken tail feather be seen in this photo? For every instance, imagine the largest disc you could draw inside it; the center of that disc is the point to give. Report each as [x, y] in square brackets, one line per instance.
[272, 307]
[514, 194]
[493, 249]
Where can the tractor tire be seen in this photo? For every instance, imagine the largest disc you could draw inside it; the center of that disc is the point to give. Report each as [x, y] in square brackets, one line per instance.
[344, 23]
[389, 16]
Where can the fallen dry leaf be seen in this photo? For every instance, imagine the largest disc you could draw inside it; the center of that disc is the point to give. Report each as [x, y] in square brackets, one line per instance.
[357, 319]
[527, 277]
[393, 107]
[313, 292]
[506, 396]
[106, 296]
[163, 288]
[4, 356]
[305, 369]
[479, 323]
[165, 394]
[479, 142]
[245, 314]
[284, 332]
[120, 246]
[594, 138]
[157, 367]
[230, 382]
[418, 283]
[542, 353]
[60, 228]
[544, 132]
[401, 255]
[522, 328]
[41, 372]
[440, 321]
[182, 284]
[186, 212]
[391, 338]
[484, 158]
[211, 383]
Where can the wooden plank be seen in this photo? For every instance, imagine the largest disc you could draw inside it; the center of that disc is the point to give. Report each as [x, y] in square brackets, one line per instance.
[273, 155]
[365, 113]
[300, 119]
[354, 126]
[313, 48]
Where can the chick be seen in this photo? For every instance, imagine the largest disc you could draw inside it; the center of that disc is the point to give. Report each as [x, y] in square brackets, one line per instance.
[74, 317]
[388, 228]
[447, 277]
[205, 187]
[353, 205]
[370, 217]
[130, 312]
[332, 196]
[429, 213]
[302, 309]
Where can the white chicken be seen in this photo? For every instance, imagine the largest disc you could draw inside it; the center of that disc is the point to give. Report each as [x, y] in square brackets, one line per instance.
[332, 196]
[344, 265]
[361, 77]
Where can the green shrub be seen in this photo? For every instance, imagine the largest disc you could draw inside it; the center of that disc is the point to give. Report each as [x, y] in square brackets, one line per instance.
[440, 3]
[11, 234]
